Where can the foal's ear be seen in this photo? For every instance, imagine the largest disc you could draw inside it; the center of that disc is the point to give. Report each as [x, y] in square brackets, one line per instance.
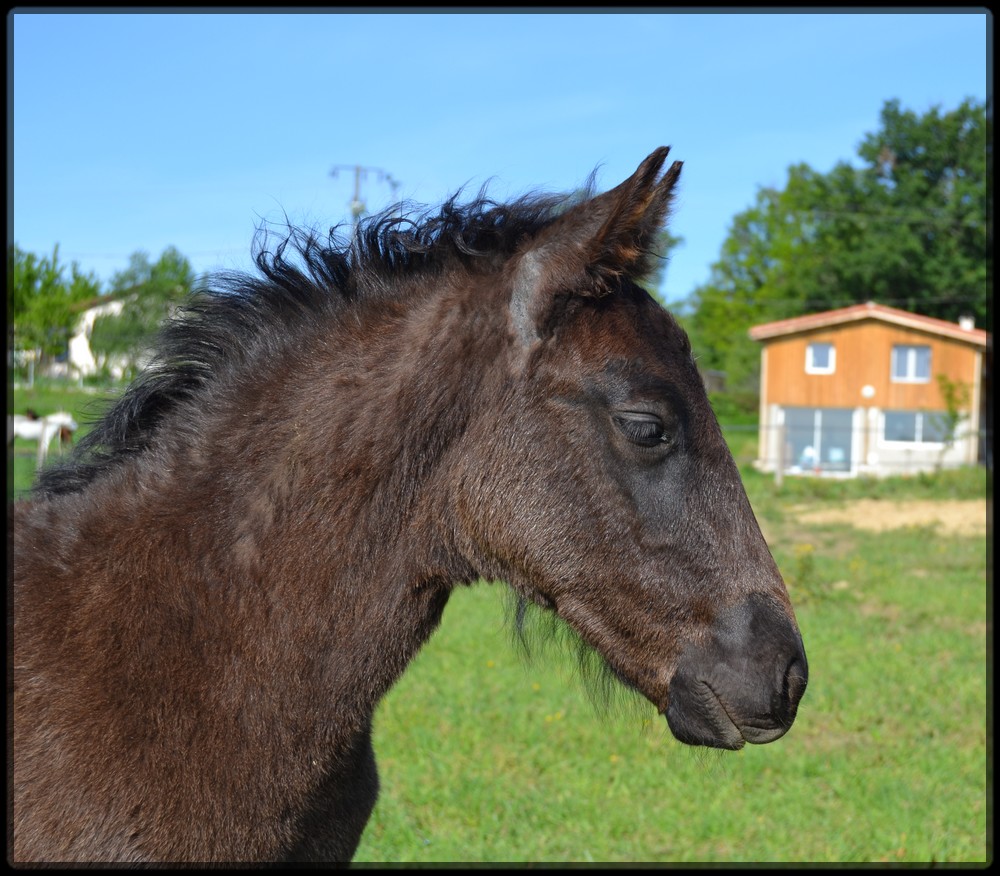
[592, 246]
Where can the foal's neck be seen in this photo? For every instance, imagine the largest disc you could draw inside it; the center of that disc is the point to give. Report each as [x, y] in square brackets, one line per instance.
[328, 478]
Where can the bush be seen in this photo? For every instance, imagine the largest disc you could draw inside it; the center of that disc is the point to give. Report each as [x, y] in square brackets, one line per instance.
[735, 408]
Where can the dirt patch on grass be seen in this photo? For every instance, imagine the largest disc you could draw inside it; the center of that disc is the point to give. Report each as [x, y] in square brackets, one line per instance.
[951, 516]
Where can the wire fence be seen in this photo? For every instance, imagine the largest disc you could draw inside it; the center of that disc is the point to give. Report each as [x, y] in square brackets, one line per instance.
[839, 453]
[882, 445]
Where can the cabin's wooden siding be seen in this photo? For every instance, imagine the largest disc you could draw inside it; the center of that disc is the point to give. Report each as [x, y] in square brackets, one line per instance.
[863, 358]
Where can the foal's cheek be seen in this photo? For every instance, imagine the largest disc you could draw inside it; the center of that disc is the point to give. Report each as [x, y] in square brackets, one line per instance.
[514, 526]
[667, 508]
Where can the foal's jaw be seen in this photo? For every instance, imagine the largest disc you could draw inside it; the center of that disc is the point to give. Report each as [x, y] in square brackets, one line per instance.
[735, 677]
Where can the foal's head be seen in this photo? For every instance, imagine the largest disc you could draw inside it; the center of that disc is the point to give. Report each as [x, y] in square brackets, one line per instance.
[599, 485]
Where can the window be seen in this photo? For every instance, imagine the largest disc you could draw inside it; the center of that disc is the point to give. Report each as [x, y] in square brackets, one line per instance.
[820, 358]
[911, 363]
[915, 427]
[818, 439]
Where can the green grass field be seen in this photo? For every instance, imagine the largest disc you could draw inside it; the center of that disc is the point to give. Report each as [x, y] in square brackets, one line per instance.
[47, 397]
[485, 757]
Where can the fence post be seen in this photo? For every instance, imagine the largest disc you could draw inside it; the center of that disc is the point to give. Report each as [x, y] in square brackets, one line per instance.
[779, 466]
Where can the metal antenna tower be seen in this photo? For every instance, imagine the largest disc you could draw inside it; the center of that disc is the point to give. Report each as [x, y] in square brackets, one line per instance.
[358, 208]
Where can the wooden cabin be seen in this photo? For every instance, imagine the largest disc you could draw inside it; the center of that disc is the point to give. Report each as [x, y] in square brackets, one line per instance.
[865, 390]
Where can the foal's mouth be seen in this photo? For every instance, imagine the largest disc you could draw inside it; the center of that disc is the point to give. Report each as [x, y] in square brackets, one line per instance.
[703, 718]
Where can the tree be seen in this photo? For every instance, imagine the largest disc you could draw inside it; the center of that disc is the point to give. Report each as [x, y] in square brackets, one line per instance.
[41, 301]
[930, 173]
[755, 280]
[956, 401]
[149, 292]
[907, 228]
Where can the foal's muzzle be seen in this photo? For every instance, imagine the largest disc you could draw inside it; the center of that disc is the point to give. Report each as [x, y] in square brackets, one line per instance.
[744, 684]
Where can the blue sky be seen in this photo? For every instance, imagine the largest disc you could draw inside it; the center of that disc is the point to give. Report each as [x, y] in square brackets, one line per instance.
[140, 131]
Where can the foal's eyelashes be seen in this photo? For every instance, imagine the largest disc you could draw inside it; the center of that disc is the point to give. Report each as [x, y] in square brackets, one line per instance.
[644, 429]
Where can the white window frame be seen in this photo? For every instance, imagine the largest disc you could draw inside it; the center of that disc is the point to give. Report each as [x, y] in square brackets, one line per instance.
[910, 363]
[919, 421]
[812, 367]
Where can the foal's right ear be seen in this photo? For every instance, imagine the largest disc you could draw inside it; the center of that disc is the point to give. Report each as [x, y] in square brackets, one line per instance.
[589, 249]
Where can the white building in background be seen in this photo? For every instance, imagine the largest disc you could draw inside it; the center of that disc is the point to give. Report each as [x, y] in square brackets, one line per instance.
[80, 359]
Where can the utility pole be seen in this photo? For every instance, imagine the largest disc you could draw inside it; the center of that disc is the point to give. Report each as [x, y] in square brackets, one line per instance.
[358, 208]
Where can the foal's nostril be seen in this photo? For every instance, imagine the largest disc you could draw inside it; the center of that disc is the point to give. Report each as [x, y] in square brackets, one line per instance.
[796, 678]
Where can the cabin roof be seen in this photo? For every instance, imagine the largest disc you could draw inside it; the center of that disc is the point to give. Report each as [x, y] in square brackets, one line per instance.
[868, 310]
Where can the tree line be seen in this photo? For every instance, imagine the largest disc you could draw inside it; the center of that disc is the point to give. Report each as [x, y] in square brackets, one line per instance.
[47, 299]
[904, 225]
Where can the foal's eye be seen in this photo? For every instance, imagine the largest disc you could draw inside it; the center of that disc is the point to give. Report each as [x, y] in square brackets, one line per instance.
[646, 430]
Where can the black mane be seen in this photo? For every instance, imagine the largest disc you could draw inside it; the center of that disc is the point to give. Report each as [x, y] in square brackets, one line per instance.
[238, 317]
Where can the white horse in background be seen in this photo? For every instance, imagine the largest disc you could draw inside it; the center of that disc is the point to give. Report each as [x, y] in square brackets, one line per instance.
[40, 429]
